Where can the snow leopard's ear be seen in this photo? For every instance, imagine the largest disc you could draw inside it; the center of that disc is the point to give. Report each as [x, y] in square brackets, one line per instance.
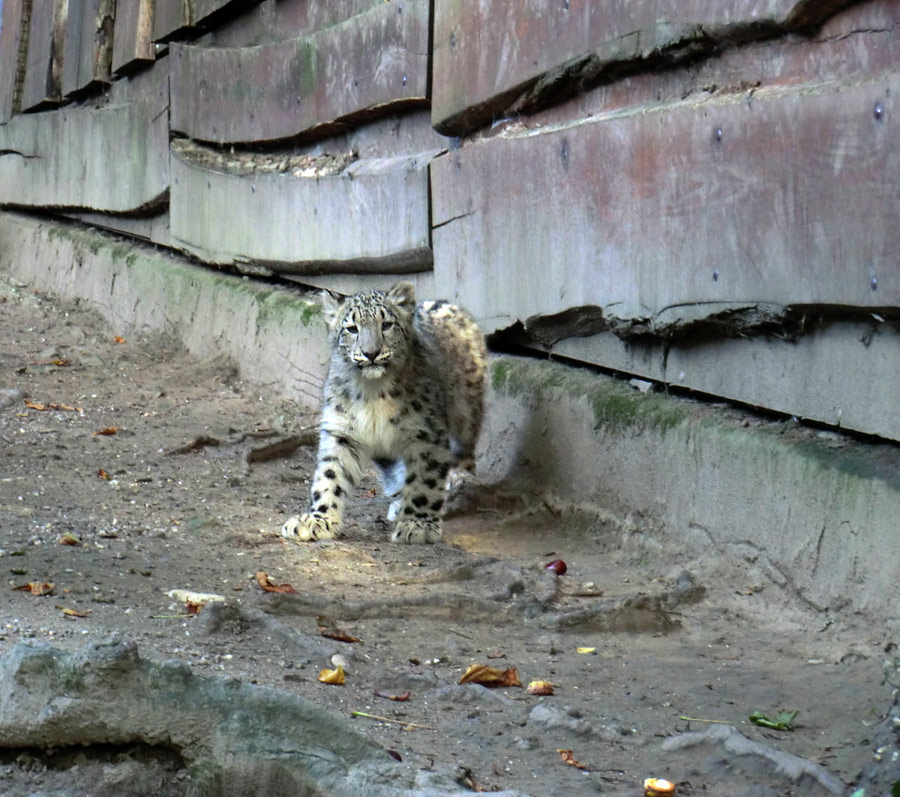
[332, 303]
[403, 296]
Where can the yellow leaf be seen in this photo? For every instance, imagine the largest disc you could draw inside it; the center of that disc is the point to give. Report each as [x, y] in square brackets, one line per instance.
[335, 676]
[586, 650]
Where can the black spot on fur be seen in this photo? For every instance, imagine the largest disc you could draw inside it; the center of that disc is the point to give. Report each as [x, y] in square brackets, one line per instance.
[409, 511]
[316, 495]
[322, 508]
[338, 492]
[330, 474]
[420, 501]
[411, 478]
[334, 506]
[423, 516]
[416, 405]
[430, 483]
[423, 435]
[443, 470]
[438, 505]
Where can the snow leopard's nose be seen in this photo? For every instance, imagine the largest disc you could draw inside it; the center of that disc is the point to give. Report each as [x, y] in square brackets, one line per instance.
[371, 355]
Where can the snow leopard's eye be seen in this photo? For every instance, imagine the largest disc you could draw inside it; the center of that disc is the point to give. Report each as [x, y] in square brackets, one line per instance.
[351, 328]
[386, 325]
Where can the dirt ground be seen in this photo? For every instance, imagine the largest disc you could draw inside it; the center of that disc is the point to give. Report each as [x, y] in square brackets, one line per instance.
[712, 643]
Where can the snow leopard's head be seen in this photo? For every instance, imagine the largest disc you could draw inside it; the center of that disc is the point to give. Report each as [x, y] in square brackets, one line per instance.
[372, 330]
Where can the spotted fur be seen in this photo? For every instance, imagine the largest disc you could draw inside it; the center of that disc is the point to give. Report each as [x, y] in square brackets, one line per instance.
[405, 390]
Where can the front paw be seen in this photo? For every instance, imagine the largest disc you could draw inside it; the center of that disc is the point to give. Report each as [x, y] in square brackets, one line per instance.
[307, 528]
[417, 531]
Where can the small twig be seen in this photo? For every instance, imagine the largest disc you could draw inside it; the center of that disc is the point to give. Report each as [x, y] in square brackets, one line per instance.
[170, 616]
[394, 722]
[196, 444]
[699, 719]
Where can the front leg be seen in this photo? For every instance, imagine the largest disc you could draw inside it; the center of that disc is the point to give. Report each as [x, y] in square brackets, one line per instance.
[336, 473]
[422, 497]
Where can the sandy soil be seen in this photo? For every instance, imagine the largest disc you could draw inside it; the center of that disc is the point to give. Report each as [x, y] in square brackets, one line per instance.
[716, 643]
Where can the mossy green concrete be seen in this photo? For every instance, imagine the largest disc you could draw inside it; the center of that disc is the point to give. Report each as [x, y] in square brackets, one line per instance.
[618, 407]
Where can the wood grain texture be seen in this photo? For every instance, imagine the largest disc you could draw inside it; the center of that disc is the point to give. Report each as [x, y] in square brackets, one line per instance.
[671, 214]
[42, 86]
[373, 217]
[88, 47]
[14, 29]
[111, 157]
[370, 62]
[133, 37]
[497, 57]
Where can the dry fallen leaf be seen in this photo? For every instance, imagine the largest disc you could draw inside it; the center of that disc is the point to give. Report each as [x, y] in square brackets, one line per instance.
[117, 339]
[335, 676]
[327, 628]
[263, 580]
[103, 474]
[540, 688]
[52, 406]
[490, 676]
[570, 759]
[399, 698]
[59, 362]
[109, 430]
[194, 607]
[69, 539]
[73, 612]
[586, 650]
[37, 587]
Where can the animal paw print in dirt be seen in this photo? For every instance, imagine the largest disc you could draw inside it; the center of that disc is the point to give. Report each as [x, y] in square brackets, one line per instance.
[308, 528]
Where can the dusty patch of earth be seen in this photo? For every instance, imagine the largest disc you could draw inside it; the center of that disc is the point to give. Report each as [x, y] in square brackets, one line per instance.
[716, 643]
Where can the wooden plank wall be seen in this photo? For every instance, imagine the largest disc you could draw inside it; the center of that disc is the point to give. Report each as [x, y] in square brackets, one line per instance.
[699, 192]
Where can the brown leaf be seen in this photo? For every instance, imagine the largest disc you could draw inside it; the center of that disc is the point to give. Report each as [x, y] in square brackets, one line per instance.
[109, 430]
[37, 587]
[399, 698]
[571, 760]
[490, 676]
[52, 406]
[103, 474]
[69, 539]
[263, 580]
[73, 612]
[327, 628]
[35, 406]
[540, 688]
[117, 339]
[335, 676]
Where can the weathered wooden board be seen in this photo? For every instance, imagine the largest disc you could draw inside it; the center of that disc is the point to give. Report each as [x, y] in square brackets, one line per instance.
[14, 24]
[88, 48]
[375, 60]
[372, 217]
[494, 57]
[113, 157]
[42, 85]
[133, 45]
[171, 17]
[670, 215]
[276, 20]
[203, 9]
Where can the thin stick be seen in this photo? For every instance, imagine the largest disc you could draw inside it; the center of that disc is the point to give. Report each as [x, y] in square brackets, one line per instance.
[386, 719]
[699, 719]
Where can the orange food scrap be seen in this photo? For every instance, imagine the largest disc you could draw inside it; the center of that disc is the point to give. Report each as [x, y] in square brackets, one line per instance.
[540, 688]
[109, 430]
[658, 787]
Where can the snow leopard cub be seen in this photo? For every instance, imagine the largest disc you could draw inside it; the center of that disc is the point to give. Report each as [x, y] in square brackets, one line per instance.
[405, 390]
